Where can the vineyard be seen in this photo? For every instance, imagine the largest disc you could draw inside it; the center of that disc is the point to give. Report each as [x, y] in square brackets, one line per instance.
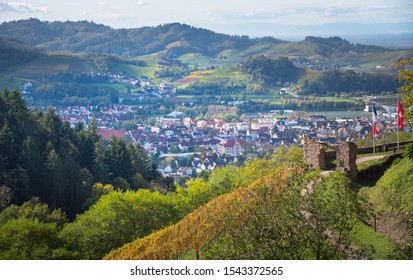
[202, 227]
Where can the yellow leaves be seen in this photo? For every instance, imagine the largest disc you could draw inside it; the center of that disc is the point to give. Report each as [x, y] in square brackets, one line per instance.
[226, 213]
[405, 76]
[195, 231]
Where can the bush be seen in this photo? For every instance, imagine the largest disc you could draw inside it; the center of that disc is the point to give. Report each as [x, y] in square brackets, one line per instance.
[408, 151]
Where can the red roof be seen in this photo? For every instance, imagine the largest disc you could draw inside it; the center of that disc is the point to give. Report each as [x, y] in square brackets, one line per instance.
[231, 142]
[108, 133]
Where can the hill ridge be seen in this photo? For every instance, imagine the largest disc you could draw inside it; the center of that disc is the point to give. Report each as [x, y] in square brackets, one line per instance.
[84, 36]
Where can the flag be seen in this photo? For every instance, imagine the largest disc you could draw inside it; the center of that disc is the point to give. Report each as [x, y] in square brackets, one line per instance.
[400, 115]
[375, 132]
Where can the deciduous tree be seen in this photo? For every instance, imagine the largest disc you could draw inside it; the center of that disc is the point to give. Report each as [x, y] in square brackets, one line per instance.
[405, 67]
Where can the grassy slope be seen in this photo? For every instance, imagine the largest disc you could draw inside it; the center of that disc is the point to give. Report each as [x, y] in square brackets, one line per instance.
[394, 192]
[367, 164]
[57, 62]
[196, 59]
[136, 71]
[377, 245]
[54, 63]
[392, 196]
[8, 82]
[234, 74]
[45, 65]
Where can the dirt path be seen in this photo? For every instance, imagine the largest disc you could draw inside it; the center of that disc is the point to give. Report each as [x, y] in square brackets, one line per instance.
[363, 159]
[359, 160]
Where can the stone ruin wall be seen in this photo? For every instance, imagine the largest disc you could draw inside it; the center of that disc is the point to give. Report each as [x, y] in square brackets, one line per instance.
[314, 153]
[346, 155]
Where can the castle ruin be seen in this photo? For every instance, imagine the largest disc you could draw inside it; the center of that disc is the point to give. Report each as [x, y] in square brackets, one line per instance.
[346, 155]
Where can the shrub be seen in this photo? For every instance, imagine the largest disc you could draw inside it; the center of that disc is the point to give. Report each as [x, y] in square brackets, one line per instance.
[408, 151]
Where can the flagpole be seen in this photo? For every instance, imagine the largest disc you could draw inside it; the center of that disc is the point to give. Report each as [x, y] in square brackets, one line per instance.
[374, 149]
[398, 123]
[372, 120]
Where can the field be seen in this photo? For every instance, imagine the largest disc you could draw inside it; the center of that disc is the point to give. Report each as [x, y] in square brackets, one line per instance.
[196, 59]
[53, 64]
[6, 82]
[136, 71]
[232, 74]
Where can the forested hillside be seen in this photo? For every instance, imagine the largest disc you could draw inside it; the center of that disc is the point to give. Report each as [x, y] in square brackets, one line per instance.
[328, 46]
[14, 53]
[42, 156]
[333, 81]
[86, 36]
[272, 71]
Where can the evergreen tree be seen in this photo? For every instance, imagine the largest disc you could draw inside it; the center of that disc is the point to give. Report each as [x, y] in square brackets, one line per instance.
[119, 161]
[140, 162]
[100, 167]
[54, 180]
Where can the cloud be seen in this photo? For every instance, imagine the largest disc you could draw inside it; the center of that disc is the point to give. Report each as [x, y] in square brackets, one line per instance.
[142, 3]
[252, 15]
[321, 14]
[20, 7]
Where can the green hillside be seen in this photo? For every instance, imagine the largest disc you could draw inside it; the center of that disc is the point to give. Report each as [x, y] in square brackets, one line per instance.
[195, 61]
[52, 67]
[391, 202]
[177, 40]
[14, 53]
[394, 192]
[86, 36]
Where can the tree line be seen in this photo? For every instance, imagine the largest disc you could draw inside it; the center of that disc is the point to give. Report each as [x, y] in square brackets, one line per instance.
[303, 104]
[125, 42]
[331, 45]
[42, 156]
[271, 71]
[334, 81]
[14, 53]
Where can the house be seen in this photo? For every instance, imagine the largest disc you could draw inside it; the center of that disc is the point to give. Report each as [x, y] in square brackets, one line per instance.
[165, 169]
[197, 135]
[165, 88]
[186, 146]
[168, 132]
[185, 171]
[176, 114]
[232, 147]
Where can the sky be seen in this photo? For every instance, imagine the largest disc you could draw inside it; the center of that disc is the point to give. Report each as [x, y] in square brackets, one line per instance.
[218, 15]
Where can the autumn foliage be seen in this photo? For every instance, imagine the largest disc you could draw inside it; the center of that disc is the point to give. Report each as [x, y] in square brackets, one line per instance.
[199, 229]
